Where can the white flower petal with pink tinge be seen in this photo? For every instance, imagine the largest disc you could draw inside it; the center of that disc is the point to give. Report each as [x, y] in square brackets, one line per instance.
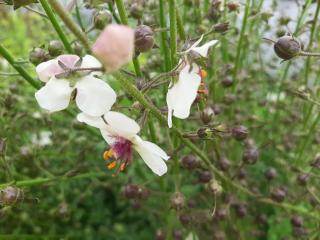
[94, 96]
[204, 49]
[152, 155]
[55, 95]
[182, 94]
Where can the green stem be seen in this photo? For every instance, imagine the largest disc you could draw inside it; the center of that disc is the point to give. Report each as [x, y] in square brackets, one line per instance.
[68, 21]
[173, 31]
[4, 53]
[122, 12]
[113, 13]
[164, 48]
[56, 25]
[181, 31]
[239, 47]
[124, 20]
[40, 181]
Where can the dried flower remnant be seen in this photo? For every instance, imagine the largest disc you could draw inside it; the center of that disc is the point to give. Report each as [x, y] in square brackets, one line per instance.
[120, 132]
[115, 46]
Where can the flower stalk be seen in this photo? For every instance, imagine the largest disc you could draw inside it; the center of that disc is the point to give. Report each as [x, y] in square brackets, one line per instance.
[173, 31]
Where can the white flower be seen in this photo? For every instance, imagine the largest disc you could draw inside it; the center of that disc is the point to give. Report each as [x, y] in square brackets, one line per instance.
[182, 94]
[93, 96]
[120, 132]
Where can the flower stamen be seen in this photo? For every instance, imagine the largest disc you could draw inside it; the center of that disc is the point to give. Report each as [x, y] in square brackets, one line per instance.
[107, 154]
[112, 165]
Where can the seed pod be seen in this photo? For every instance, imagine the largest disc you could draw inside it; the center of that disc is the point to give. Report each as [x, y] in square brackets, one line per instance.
[240, 132]
[262, 219]
[221, 214]
[37, 56]
[190, 162]
[241, 210]
[214, 187]
[185, 219]
[11, 195]
[270, 173]
[227, 82]
[287, 47]
[101, 19]
[143, 38]
[177, 234]
[55, 48]
[221, 27]
[160, 235]
[178, 201]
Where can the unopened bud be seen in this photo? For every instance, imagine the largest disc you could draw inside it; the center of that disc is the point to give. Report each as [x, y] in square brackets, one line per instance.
[207, 115]
[144, 40]
[233, 6]
[214, 187]
[287, 47]
[10, 196]
[250, 155]
[101, 19]
[55, 48]
[37, 56]
[190, 162]
[136, 10]
[240, 132]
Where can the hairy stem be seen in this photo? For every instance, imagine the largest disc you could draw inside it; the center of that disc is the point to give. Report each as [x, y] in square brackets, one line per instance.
[173, 31]
[66, 18]
[56, 25]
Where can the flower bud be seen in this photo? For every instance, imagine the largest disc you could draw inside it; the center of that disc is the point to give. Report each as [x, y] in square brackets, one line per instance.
[270, 173]
[11, 196]
[37, 56]
[77, 48]
[185, 219]
[240, 132]
[278, 195]
[223, 164]
[160, 235]
[131, 191]
[297, 221]
[233, 6]
[227, 82]
[221, 214]
[266, 15]
[287, 47]
[221, 27]
[177, 201]
[302, 179]
[250, 155]
[190, 162]
[55, 48]
[144, 40]
[204, 132]
[101, 19]
[115, 46]
[205, 176]
[207, 115]
[136, 10]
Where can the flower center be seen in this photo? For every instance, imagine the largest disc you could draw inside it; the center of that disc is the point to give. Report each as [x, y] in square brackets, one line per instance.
[121, 152]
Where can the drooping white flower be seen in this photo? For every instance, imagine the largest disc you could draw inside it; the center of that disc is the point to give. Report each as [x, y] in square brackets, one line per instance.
[120, 132]
[181, 94]
[93, 96]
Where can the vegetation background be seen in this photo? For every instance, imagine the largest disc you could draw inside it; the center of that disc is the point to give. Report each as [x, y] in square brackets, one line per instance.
[55, 163]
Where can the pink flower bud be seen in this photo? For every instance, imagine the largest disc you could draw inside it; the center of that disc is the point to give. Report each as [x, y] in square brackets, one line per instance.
[115, 46]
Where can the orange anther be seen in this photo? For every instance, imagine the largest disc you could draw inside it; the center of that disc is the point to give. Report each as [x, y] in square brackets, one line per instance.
[107, 154]
[203, 73]
[112, 165]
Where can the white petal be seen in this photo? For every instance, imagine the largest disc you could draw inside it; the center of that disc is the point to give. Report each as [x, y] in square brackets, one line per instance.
[195, 44]
[91, 121]
[48, 69]
[183, 93]
[154, 148]
[121, 125]
[55, 95]
[89, 61]
[94, 96]
[151, 157]
[203, 50]
[110, 139]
